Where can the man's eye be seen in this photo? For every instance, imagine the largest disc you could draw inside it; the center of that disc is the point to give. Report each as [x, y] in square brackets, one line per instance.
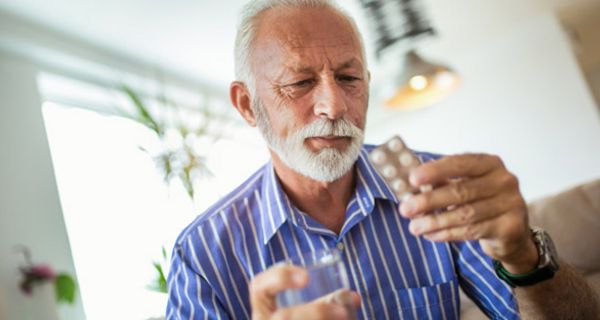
[303, 83]
[347, 78]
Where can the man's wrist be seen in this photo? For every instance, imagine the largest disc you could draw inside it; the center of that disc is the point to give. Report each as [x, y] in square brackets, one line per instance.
[517, 271]
[523, 261]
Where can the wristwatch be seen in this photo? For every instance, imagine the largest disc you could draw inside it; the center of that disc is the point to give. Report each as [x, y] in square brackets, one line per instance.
[547, 266]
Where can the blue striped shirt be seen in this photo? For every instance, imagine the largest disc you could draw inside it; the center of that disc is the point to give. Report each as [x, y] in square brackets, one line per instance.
[398, 275]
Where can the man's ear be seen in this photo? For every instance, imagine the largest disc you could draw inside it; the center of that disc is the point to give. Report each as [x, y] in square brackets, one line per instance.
[242, 101]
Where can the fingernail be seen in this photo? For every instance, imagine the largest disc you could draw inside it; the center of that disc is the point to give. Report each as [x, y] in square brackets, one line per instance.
[415, 227]
[415, 177]
[407, 206]
[430, 236]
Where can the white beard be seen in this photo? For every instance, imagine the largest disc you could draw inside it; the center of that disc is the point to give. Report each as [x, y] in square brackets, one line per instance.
[326, 165]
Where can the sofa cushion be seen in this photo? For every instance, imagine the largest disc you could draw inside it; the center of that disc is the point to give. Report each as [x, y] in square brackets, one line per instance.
[572, 218]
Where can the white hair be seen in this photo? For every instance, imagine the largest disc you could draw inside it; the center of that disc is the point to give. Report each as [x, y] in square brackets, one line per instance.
[246, 31]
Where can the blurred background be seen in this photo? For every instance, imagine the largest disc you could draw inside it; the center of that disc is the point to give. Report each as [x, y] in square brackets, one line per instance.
[116, 128]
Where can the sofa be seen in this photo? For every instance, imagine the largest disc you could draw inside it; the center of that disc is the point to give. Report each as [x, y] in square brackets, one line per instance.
[572, 218]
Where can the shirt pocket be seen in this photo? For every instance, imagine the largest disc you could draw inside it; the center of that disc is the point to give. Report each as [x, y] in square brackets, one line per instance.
[439, 301]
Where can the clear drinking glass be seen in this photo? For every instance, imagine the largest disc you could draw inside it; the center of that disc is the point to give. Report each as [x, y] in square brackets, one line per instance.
[327, 274]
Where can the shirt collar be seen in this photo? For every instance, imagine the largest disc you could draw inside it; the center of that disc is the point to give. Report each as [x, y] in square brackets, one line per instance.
[277, 208]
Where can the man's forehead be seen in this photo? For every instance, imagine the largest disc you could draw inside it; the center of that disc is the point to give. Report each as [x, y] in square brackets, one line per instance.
[316, 40]
[300, 51]
[305, 57]
[299, 65]
[307, 39]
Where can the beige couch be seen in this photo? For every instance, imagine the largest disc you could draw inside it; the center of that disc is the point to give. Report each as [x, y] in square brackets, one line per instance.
[572, 218]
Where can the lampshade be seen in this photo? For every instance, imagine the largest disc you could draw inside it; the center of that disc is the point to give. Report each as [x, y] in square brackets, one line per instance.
[415, 82]
[420, 83]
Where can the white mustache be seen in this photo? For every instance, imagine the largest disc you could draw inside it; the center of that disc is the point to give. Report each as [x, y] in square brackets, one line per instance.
[323, 127]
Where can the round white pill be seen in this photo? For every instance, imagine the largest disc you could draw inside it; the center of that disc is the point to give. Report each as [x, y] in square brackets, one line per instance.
[378, 156]
[389, 171]
[398, 185]
[406, 159]
[395, 145]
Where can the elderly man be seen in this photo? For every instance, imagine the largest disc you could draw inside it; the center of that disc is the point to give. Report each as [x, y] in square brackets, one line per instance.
[303, 81]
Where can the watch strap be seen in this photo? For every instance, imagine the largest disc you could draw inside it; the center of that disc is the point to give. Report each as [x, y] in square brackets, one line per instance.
[524, 279]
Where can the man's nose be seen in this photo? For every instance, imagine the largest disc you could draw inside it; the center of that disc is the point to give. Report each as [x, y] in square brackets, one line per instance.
[329, 100]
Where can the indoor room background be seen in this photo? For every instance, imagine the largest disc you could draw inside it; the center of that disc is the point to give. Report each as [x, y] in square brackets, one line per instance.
[116, 128]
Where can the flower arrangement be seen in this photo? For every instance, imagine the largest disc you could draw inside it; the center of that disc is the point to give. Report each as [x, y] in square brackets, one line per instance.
[183, 134]
[34, 275]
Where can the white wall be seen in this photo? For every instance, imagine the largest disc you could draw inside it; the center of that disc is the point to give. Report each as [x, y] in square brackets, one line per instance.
[30, 212]
[523, 98]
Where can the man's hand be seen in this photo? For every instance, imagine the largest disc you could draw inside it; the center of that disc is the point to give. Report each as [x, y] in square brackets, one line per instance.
[483, 203]
[266, 285]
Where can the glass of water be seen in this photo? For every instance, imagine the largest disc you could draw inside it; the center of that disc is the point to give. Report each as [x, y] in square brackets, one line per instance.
[326, 274]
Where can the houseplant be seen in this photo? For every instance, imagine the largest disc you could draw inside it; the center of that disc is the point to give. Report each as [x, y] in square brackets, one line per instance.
[34, 275]
[183, 135]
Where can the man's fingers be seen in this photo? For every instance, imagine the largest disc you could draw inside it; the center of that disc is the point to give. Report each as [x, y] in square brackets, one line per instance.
[344, 297]
[460, 216]
[315, 310]
[466, 165]
[463, 233]
[276, 279]
[482, 200]
[456, 192]
[266, 285]
[352, 299]
[340, 304]
[498, 227]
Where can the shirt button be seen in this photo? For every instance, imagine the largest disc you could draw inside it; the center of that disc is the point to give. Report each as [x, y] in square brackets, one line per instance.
[340, 246]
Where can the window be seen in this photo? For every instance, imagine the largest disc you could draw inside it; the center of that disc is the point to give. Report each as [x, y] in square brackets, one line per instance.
[118, 211]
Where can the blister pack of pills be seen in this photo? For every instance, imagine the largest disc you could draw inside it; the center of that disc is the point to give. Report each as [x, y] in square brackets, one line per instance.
[394, 160]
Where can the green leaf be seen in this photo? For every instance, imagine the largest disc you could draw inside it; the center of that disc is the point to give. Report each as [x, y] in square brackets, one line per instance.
[158, 268]
[65, 288]
[160, 284]
[186, 179]
[144, 114]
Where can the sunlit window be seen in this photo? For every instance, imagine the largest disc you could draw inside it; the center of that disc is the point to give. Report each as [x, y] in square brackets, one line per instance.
[118, 211]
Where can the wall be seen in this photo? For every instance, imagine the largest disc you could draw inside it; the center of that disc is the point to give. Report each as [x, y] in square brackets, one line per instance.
[593, 78]
[523, 98]
[30, 212]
